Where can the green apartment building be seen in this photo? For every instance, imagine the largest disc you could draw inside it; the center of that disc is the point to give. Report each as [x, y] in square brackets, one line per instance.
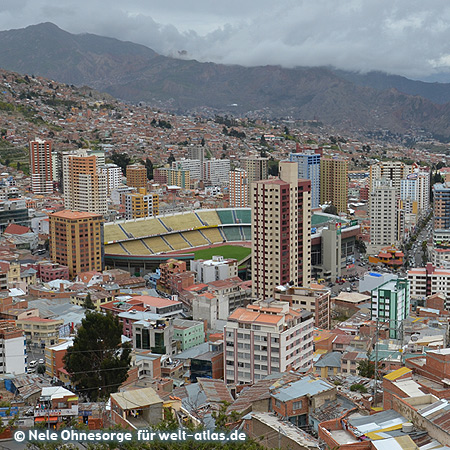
[188, 333]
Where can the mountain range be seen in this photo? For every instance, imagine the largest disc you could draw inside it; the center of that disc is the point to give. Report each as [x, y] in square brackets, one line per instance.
[135, 73]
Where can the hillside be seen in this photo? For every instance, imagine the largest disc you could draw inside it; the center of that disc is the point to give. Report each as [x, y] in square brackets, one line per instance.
[136, 73]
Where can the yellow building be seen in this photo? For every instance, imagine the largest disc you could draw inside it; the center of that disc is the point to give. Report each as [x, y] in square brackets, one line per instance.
[40, 332]
[179, 177]
[334, 183]
[141, 204]
[76, 241]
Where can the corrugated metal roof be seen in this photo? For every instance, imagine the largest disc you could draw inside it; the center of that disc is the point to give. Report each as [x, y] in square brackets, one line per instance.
[306, 386]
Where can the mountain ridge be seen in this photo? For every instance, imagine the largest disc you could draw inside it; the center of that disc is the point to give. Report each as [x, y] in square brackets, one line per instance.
[134, 73]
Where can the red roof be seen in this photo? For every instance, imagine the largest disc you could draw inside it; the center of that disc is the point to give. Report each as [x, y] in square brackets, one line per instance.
[13, 228]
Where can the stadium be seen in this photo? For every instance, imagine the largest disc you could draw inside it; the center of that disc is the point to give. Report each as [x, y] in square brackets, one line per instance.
[140, 245]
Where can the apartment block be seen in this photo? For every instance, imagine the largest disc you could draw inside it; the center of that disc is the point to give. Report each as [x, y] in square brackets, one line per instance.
[41, 167]
[141, 204]
[281, 231]
[267, 337]
[84, 185]
[395, 171]
[217, 268]
[383, 216]
[188, 333]
[309, 169]
[334, 183]
[137, 176]
[391, 302]
[113, 175]
[39, 332]
[179, 177]
[238, 188]
[217, 171]
[13, 353]
[157, 336]
[441, 206]
[76, 241]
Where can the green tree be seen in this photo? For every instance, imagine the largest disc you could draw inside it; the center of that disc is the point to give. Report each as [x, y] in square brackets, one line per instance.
[122, 160]
[98, 362]
[170, 159]
[331, 209]
[366, 367]
[149, 166]
[88, 303]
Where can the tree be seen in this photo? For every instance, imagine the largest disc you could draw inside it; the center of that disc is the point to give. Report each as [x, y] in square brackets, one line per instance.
[149, 166]
[366, 367]
[170, 159]
[203, 142]
[88, 303]
[331, 209]
[98, 362]
[273, 168]
[122, 160]
[40, 369]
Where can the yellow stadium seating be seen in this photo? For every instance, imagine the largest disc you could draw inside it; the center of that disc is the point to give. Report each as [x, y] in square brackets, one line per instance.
[176, 241]
[195, 238]
[213, 235]
[181, 221]
[115, 249]
[209, 217]
[157, 244]
[112, 232]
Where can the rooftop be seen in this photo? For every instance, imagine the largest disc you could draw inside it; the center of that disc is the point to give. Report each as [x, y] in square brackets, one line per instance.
[306, 386]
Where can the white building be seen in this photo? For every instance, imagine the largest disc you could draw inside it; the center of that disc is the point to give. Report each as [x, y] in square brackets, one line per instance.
[309, 169]
[194, 166]
[383, 215]
[41, 167]
[214, 269]
[217, 171]
[430, 280]
[113, 176]
[13, 353]
[267, 337]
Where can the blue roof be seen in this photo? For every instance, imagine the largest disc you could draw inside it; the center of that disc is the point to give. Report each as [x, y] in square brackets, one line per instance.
[375, 274]
[308, 385]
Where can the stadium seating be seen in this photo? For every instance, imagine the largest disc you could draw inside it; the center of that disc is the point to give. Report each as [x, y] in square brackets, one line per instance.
[195, 238]
[115, 249]
[226, 216]
[143, 228]
[181, 222]
[157, 244]
[209, 217]
[213, 234]
[112, 232]
[244, 216]
[176, 241]
[136, 247]
[232, 233]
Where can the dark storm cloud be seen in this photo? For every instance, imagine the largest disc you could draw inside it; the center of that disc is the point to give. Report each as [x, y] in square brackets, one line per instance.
[407, 37]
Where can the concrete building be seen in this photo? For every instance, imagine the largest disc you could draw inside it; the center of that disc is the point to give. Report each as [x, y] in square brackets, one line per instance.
[334, 183]
[416, 189]
[217, 171]
[309, 169]
[441, 206]
[41, 167]
[141, 204]
[217, 268]
[76, 241]
[257, 168]
[395, 171]
[39, 332]
[238, 188]
[13, 353]
[179, 177]
[113, 175]
[188, 333]
[54, 358]
[391, 302]
[383, 216]
[154, 335]
[13, 211]
[317, 301]
[194, 166]
[267, 337]
[84, 185]
[281, 231]
[137, 176]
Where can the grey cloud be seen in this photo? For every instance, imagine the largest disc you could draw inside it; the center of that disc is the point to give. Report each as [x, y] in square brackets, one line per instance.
[408, 37]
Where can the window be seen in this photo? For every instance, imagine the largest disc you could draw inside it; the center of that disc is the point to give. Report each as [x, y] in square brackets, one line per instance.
[297, 405]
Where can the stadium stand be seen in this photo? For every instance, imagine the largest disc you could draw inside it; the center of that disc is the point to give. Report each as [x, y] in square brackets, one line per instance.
[117, 249]
[247, 233]
[213, 234]
[232, 233]
[143, 228]
[180, 222]
[157, 244]
[209, 217]
[176, 241]
[243, 216]
[195, 238]
[225, 216]
[114, 233]
[136, 247]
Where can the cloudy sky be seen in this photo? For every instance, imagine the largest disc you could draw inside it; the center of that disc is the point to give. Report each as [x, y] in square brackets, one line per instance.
[406, 37]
